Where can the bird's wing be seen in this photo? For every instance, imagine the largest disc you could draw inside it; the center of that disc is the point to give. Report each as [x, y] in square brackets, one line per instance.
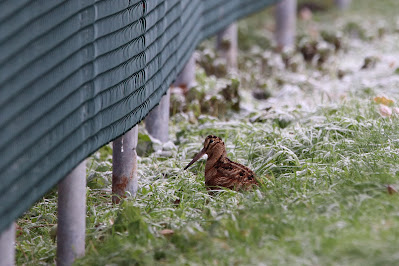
[232, 175]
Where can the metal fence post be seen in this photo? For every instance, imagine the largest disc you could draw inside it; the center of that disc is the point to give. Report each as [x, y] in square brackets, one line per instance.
[157, 121]
[7, 246]
[227, 45]
[285, 16]
[342, 4]
[124, 165]
[71, 216]
[186, 77]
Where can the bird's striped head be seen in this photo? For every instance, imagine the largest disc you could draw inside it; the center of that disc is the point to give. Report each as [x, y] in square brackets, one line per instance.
[210, 144]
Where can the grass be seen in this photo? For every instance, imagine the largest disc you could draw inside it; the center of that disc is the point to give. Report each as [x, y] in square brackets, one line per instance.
[326, 202]
[325, 160]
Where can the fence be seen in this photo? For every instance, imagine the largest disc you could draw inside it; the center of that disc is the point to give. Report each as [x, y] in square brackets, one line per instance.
[75, 75]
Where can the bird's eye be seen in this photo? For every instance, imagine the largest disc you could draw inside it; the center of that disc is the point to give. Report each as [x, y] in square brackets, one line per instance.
[211, 141]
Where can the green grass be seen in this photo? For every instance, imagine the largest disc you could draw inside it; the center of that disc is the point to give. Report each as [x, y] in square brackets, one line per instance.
[326, 202]
[325, 159]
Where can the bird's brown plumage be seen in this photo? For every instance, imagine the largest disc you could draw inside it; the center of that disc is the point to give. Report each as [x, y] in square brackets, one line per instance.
[220, 171]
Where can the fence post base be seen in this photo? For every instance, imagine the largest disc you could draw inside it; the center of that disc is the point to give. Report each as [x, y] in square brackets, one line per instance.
[71, 216]
[285, 16]
[124, 165]
[7, 246]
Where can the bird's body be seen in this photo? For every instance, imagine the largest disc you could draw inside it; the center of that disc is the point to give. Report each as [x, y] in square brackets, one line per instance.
[220, 171]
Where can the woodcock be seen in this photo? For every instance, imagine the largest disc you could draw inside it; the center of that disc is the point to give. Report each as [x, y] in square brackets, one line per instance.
[220, 171]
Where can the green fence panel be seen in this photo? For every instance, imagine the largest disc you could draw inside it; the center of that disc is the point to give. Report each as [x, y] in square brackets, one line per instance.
[75, 75]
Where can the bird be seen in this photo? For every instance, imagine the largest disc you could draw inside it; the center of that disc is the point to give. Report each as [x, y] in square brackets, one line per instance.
[220, 171]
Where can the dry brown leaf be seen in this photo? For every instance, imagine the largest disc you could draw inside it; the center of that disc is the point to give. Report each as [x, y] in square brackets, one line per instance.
[167, 232]
[176, 202]
[391, 190]
[383, 100]
[19, 229]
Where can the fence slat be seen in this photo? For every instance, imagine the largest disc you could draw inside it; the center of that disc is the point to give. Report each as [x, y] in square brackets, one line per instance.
[124, 165]
[77, 74]
[71, 216]
[7, 243]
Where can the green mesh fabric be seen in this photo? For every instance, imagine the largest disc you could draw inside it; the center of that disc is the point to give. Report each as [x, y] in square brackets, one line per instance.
[74, 75]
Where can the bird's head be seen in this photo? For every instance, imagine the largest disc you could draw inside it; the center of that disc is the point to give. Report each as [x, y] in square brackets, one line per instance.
[211, 144]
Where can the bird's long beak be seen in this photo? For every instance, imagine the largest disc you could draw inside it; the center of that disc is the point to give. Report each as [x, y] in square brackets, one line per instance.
[199, 155]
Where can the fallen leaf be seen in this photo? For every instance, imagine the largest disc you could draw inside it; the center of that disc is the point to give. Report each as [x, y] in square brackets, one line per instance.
[176, 202]
[167, 232]
[383, 100]
[19, 229]
[391, 190]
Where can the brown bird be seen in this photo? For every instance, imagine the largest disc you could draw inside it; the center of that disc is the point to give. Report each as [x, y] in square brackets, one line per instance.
[220, 171]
